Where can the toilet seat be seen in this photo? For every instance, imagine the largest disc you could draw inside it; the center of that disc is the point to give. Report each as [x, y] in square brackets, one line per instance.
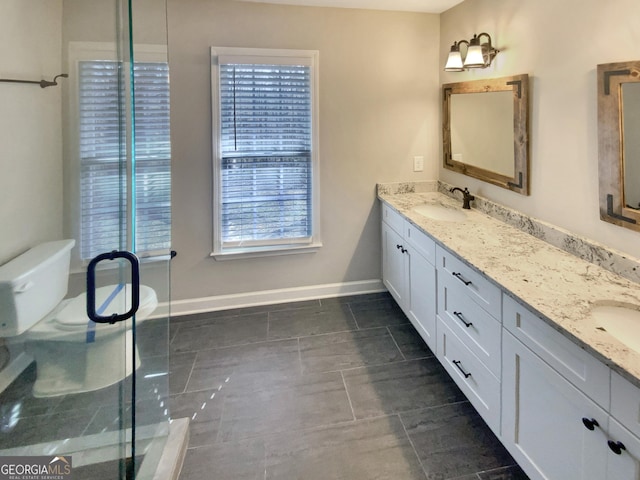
[74, 312]
[69, 321]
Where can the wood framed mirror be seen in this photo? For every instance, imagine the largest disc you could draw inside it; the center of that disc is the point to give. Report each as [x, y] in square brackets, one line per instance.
[485, 127]
[619, 143]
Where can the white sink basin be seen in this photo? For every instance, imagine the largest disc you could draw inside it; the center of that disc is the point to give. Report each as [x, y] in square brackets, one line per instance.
[622, 323]
[440, 212]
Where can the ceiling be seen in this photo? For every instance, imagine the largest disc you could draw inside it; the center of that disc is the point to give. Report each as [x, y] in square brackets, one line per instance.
[427, 6]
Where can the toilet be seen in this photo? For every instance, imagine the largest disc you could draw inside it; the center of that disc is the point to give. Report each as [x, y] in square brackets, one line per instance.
[72, 353]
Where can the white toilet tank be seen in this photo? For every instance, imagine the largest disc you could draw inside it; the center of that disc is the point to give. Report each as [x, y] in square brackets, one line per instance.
[32, 285]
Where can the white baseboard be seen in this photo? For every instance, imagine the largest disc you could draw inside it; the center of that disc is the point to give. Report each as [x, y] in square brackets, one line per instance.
[270, 297]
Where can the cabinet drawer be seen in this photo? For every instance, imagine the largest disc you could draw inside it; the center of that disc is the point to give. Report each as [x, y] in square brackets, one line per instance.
[424, 244]
[481, 290]
[572, 362]
[393, 219]
[474, 379]
[478, 330]
[625, 403]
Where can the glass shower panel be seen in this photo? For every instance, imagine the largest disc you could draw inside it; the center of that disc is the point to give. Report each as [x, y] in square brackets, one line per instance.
[151, 239]
[88, 159]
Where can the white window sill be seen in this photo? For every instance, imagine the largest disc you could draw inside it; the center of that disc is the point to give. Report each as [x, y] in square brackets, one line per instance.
[144, 258]
[254, 252]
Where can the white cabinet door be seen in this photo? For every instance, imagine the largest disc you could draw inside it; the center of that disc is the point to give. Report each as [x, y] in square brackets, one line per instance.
[421, 308]
[393, 264]
[542, 419]
[623, 455]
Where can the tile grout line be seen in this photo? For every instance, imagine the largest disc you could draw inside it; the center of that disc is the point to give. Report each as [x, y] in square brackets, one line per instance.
[91, 420]
[219, 315]
[264, 458]
[415, 450]
[234, 345]
[300, 358]
[395, 343]
[348, 396]
[268, 324]
[193, 366]
[172, 337]
[353, 316]
[283, 339]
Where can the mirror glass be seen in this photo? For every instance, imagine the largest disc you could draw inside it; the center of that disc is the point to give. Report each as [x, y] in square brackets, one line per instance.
[482, 130]
[486, 130]
[619, 143]
[631, 143]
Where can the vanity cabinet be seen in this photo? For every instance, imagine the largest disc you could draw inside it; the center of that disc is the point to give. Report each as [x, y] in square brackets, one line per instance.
[561, 413]
[562, 409]
[408, 272]
[469, 332]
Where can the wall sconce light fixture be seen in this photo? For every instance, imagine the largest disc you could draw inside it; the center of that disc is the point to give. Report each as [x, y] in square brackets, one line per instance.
[478, 55]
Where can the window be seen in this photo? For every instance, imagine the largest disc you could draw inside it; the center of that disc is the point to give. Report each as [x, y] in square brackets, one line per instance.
[105, 183]
[265, 165]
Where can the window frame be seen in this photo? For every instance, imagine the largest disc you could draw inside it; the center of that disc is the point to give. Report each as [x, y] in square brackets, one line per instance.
[100, 51]
[265, 57]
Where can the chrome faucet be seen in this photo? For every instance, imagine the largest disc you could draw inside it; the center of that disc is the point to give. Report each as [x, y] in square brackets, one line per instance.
[466, 197]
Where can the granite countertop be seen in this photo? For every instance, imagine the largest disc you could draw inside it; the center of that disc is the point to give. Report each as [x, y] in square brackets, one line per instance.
[560, 287]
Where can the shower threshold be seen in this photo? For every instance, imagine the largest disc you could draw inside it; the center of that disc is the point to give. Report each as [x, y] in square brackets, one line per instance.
[162, 447]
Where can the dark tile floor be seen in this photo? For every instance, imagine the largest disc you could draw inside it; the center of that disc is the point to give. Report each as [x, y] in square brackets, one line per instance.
[329, 389]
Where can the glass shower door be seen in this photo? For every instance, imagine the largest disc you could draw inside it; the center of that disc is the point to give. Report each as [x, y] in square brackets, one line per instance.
[91, 150]
[151, 194]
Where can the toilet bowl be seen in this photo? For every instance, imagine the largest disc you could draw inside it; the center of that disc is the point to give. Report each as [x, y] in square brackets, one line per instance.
[72, 353]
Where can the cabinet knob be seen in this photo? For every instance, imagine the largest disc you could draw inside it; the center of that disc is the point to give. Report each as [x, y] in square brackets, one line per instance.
[590, 423]
[616, 447]
[399, 247]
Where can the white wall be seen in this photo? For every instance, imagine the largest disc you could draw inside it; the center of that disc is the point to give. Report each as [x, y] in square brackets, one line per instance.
[379, 74]
[30, 126]
[559, 44]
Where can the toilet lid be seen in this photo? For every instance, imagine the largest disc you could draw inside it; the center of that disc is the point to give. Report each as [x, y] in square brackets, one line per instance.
[75, 311]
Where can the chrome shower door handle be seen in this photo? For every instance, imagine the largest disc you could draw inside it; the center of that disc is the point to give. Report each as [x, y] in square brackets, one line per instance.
[91, 287]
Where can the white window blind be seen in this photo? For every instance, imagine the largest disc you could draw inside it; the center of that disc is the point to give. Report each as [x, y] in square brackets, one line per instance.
[103, 176]
[266, 154]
